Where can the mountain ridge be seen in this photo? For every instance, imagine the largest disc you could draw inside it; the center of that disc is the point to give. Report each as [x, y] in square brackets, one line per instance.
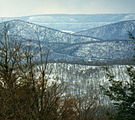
[71, 48]
[17, 24]
[112, 31]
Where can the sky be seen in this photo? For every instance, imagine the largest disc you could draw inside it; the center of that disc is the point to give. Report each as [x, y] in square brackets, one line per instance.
[14, 8]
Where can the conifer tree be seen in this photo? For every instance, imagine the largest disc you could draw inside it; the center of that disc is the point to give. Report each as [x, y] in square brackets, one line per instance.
[122, 93]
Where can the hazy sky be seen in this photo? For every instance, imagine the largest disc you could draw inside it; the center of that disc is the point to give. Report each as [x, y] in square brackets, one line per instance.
[30, 7]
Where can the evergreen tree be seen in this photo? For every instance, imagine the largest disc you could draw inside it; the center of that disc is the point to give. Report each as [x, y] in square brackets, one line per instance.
[122, 94]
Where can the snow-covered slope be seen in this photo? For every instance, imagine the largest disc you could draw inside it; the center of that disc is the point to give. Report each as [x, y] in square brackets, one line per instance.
[33, 31]
[71, 48]
[113, 52]
[115, 31]
[84, 78]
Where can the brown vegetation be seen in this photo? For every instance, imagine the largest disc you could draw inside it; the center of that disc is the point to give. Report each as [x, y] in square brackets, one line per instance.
[26, 94]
